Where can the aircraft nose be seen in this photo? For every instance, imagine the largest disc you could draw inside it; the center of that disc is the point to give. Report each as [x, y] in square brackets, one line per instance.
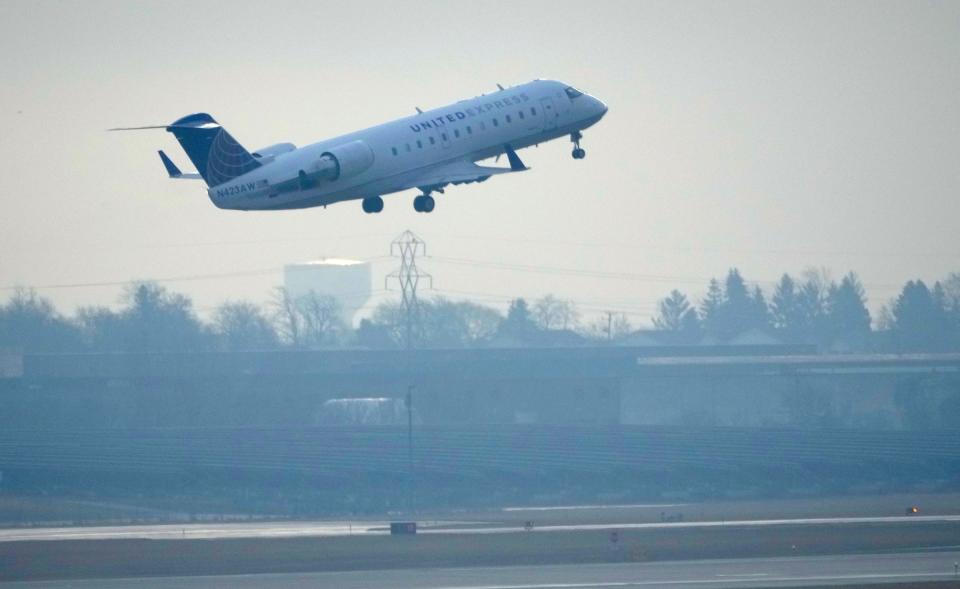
[598, 106]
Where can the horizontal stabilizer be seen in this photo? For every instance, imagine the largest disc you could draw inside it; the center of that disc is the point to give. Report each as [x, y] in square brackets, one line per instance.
[171, 167]
[173, 171]
[137, 128]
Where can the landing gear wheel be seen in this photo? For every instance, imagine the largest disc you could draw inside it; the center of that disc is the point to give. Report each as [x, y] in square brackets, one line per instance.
[578, 153]
[374, 204]
[424, 203]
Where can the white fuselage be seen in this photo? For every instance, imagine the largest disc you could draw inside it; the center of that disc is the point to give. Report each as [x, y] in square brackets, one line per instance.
[397, 155]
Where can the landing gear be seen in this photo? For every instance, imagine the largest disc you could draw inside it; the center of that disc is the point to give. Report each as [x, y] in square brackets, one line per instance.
[424, 203]
[374, 204]
[578, 152]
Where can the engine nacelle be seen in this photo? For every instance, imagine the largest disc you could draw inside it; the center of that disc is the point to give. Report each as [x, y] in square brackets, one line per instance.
[350, 159]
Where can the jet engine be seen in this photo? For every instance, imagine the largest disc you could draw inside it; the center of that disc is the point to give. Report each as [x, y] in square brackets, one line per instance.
[349, 159]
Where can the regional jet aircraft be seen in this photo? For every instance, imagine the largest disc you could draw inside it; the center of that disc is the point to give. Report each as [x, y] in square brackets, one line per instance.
[427, 151]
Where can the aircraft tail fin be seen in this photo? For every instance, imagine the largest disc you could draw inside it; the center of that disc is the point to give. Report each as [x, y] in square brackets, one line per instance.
[215, 153]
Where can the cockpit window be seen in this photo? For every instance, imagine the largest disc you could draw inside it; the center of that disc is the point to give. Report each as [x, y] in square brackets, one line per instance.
[572, 92]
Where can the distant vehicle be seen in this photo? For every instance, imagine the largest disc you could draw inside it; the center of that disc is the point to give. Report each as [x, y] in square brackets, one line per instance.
[913, 510]
[428, 151]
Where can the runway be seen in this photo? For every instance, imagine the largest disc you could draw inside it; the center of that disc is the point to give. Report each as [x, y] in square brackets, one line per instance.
[760, 572]
[212, 531]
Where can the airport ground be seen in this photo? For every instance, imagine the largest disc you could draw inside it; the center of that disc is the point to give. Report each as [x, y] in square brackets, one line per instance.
[855, 540]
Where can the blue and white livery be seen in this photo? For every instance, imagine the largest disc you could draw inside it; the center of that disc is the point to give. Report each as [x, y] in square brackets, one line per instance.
[427, 151]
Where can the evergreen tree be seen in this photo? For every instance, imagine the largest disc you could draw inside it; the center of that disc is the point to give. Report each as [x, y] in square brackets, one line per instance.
[812, 325]
[710, 308]
[519, 323]
[671, 312]
[785, 309]
[919, 322]
[847, 314]
[760, 314]
[676, 315]
[738, 310]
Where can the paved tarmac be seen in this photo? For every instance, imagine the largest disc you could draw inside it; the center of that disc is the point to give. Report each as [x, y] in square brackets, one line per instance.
[305, 529]
[760, 572]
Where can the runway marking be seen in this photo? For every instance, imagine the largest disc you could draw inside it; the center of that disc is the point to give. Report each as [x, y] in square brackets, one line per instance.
[768, 579]
[574, 507]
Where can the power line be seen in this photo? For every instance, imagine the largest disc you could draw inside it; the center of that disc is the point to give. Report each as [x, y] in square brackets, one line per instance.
[623, 245]
[185, 278]
[614, 275]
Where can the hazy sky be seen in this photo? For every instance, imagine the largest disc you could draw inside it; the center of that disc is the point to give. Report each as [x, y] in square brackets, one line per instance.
[770, 136]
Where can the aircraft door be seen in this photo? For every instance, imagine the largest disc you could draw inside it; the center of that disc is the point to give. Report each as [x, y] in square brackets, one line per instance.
[550, 113]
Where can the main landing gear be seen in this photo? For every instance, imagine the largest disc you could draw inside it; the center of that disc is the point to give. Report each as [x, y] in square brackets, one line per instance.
[374, 204]
[424, 203]
[578, 152]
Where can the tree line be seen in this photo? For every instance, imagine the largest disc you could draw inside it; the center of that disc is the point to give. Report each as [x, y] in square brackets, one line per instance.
[810, 309]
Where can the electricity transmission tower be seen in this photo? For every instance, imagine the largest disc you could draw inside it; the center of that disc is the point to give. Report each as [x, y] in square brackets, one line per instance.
[407, 247]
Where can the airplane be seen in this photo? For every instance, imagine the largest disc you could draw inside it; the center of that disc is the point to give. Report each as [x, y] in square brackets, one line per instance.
[428, 151]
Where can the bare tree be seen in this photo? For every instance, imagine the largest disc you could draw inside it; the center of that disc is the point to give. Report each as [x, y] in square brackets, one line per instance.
[610, 326]
[242, 325]
[551, 312]
[320, 319]
[287, 317]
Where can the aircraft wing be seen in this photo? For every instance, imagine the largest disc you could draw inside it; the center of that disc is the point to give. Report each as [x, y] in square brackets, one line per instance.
[465, 171]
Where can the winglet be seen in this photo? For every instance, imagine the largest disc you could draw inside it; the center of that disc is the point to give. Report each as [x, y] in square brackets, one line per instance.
[171, 167]
[515, 163]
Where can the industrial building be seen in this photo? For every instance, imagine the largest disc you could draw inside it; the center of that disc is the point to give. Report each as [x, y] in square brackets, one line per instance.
[324, 431]
[348, 281]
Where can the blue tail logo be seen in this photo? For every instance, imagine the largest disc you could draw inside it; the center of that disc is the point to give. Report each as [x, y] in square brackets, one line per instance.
[215, 153]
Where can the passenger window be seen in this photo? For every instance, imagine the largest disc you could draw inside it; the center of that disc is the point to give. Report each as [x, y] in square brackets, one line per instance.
[432, 141]
[456, 133]
[520, 114]
[495, 123]
[469, 130]
[508, 119]
[533, 111]
[444, 135]
[394, 150]
[419, 144]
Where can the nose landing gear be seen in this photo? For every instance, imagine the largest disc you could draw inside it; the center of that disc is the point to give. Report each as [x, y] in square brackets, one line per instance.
[578, 152]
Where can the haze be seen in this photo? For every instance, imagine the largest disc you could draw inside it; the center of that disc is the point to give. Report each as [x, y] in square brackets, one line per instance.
[765, 136]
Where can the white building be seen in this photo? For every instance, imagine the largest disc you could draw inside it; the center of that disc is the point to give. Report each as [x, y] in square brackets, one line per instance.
[346, 280]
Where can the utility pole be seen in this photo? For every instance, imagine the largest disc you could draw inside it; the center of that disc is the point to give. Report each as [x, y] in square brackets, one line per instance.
[406, 247]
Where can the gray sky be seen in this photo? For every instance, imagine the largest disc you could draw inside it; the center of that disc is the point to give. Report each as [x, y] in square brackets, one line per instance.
[770, 136]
